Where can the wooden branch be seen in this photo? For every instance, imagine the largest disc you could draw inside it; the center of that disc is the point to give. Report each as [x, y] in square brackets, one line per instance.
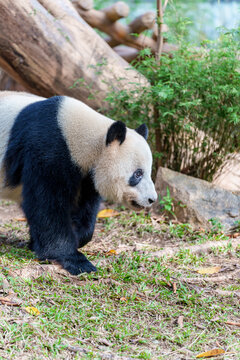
[159, 33]
[7, 83]
[155, 31]
[127, 53]
[116, 11]
[143, 22]
[138, 25]
[50, 49]
[164, 6]
[119, 32]
[160, 28]
[83, 4]
[112, 42]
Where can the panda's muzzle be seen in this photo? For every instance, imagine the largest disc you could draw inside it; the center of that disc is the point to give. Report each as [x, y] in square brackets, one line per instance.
[136, 205]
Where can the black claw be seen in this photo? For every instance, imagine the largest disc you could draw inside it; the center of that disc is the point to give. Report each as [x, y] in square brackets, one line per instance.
[76, 269]
[77, 264]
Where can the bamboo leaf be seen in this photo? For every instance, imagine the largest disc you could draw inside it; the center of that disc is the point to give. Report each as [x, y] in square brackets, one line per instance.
[211, 353]
[209, 270]
[107, 213]
[32, 310]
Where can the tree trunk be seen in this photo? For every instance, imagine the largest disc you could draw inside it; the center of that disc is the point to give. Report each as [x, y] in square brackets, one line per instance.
[48, 48]
[7, 83]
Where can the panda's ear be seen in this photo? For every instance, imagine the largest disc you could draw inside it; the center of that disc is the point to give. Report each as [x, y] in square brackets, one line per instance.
[143, 130]
[117, 131]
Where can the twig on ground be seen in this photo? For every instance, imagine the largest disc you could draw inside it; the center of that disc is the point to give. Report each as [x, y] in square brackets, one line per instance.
[197, 249]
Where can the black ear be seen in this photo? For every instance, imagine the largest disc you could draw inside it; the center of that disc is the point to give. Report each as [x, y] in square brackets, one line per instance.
[143, 130]
[117, 131]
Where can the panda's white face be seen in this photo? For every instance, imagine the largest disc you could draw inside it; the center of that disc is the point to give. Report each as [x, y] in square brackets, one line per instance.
[123, 172]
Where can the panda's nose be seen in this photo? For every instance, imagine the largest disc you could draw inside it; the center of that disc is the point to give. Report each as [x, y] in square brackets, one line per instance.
[151, 201]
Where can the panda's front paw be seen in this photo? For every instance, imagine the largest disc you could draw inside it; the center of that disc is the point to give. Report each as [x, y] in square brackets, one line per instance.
[77, 264]
[87, 267]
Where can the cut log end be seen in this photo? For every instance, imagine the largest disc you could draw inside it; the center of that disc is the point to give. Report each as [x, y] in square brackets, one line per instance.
[117, 11]
[143, 22]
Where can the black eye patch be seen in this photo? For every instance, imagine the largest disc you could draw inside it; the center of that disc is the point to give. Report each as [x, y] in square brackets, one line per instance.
[136, 177]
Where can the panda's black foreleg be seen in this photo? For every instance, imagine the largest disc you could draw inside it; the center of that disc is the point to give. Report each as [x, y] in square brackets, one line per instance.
[48, 212]
[84, 212]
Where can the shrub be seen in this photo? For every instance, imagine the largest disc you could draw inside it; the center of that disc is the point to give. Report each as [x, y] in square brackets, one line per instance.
[192, 105]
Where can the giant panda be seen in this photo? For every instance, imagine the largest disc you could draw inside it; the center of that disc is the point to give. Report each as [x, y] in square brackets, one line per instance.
[58, 158]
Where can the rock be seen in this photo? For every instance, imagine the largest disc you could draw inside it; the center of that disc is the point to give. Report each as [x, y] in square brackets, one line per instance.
[197, 201]
[228, 176]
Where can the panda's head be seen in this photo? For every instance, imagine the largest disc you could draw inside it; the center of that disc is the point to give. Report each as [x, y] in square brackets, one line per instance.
[123, 170]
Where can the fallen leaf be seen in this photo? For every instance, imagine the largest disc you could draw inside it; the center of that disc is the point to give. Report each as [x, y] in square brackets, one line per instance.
[107, 213]
[111, 252]
[210, 353]
[123, 299]
[232, 323]
[32, 310]
[209, 270]
[10, 300]
[20, 219]
[174, 285]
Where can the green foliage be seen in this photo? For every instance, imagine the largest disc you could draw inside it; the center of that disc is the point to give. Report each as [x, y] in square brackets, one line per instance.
[191, 107]
[216, 225]
[237, 225]
[166, 203]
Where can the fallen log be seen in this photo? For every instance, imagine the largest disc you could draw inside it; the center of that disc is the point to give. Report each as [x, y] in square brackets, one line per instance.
[121, 34]
[7, 83]
[48, 48]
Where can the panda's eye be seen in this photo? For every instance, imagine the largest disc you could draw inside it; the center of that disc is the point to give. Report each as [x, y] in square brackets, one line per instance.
[138, 173]
[136, 177]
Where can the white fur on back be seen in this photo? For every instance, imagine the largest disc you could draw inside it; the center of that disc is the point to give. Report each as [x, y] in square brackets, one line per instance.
[11, 103]
[84, 130]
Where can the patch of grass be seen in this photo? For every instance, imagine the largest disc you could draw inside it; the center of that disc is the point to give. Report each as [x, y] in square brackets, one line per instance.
[6, 202]
[186, 257]
[140, 223]
[129, 308]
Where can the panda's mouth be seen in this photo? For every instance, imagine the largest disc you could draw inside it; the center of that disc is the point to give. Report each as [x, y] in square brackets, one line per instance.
[136, 205]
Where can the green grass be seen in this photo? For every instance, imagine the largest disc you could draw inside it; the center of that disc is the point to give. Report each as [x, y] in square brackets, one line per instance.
[128, 308]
